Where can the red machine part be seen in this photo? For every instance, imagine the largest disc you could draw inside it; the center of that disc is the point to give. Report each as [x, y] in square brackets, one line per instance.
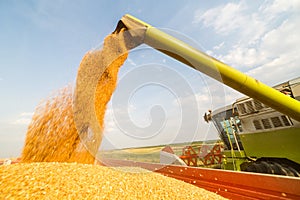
[10, 161]
[205, 153]
[230, 184]
[189, 156]
[214, 156]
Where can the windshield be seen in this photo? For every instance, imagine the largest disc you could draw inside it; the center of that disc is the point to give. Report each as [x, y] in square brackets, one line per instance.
[229, 127]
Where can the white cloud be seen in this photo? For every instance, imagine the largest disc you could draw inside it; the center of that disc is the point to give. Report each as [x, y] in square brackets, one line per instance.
[109, 124]
[219, 46]
[261, 41]
[23, 118]
[111, 121]
[277, 52]
[233, 18]
[283, 39]
[279, 6]
[223, 18]
[241, 56]
[22, 121]
[131, 62]
[26, 114]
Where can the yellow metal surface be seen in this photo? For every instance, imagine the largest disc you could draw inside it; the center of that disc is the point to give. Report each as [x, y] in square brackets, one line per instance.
[139, 23]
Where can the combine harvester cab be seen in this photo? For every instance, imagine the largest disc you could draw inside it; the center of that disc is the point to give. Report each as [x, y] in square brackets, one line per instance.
[259, 138]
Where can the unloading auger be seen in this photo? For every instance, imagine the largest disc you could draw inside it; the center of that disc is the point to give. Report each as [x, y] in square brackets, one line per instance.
[142, 32]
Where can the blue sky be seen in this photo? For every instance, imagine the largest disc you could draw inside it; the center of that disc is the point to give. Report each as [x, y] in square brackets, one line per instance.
[43, 42]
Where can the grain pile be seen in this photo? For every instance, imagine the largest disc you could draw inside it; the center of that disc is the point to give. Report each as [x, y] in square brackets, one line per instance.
[68, 127]
[84, 181]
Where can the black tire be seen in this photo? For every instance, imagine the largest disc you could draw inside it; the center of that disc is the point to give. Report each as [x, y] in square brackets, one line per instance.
[277, 169]
[253, 167]
[272, 168]
[288, 171]
[293, 171]
[268, 169]
[262, 167]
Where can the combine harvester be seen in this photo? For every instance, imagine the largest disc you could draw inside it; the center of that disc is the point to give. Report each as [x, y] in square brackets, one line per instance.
[260, 132]
[256, 138]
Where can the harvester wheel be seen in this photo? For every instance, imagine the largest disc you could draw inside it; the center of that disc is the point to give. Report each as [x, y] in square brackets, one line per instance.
[252, 168]
[277, 169]
[272, 168]
[261, 167]
[294, 172]
[267, 167]
[287, 171]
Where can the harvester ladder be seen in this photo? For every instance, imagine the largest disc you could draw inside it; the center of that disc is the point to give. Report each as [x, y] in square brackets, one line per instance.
[232, 123]
[231, 146]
